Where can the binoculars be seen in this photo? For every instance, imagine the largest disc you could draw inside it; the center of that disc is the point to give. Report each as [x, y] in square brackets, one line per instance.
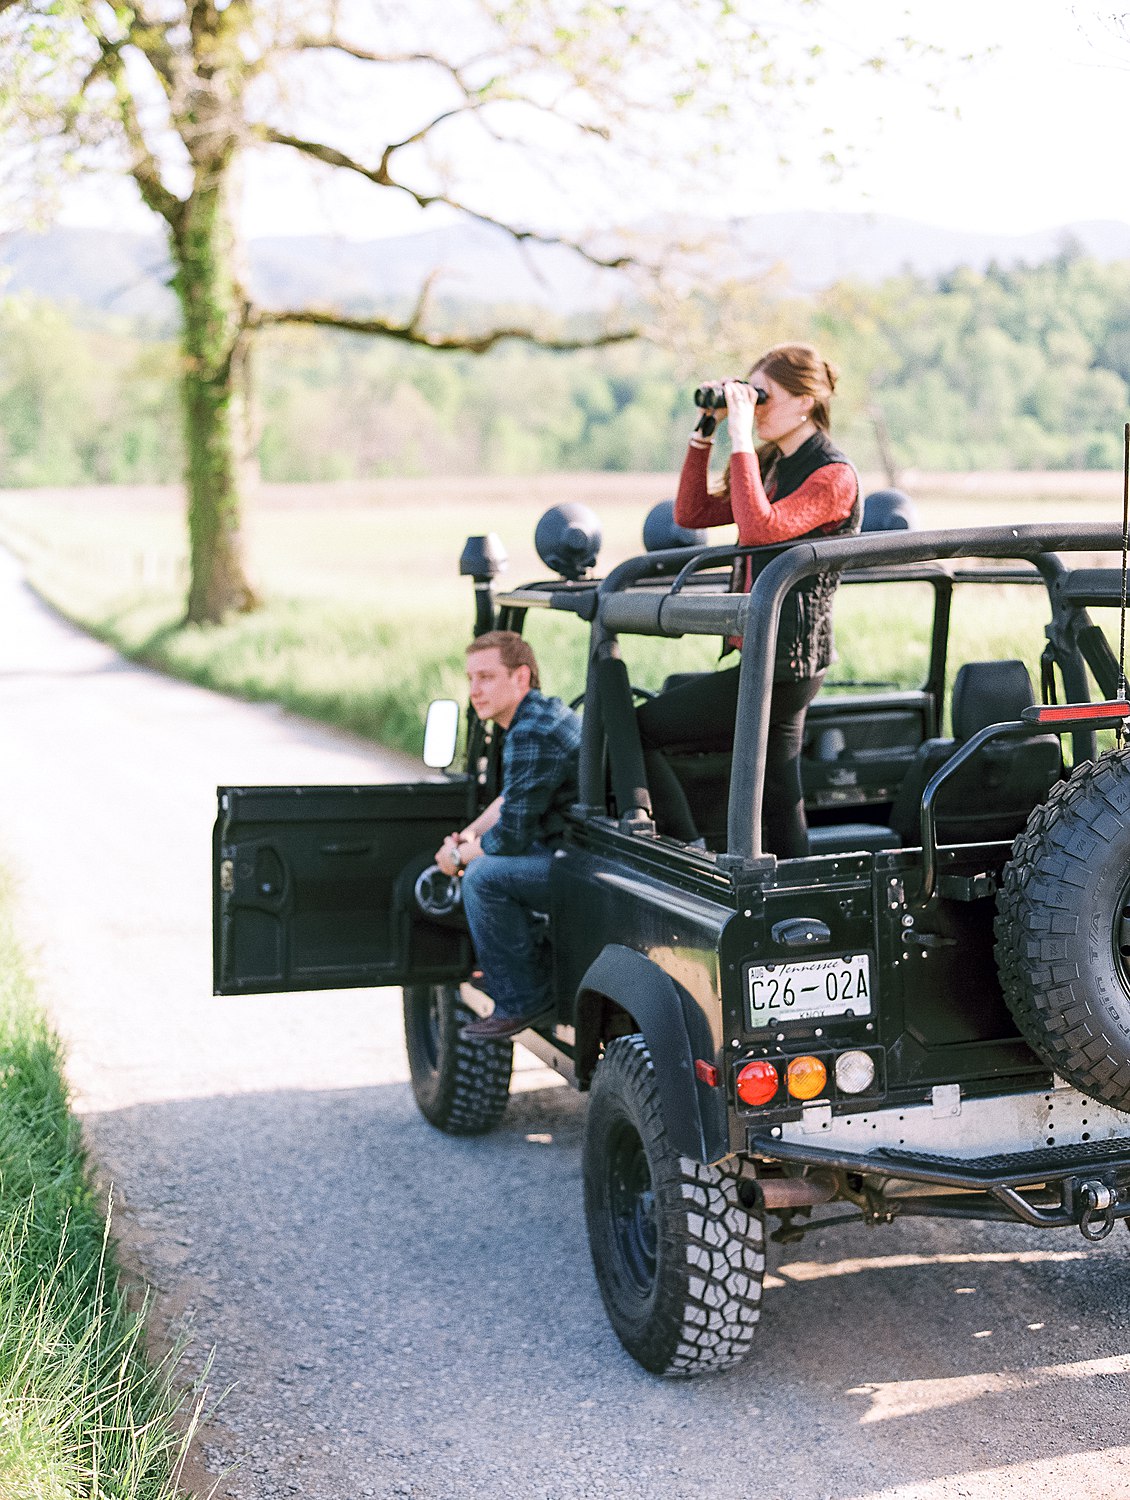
[711, 395]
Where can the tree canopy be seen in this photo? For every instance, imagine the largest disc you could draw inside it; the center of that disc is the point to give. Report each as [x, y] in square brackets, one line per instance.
[511, 112]
[1019, 368]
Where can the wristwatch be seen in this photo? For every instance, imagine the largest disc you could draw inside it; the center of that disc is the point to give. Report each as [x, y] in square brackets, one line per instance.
[457, 857]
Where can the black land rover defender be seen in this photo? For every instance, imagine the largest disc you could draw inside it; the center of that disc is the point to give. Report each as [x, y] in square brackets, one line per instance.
[929, 1014]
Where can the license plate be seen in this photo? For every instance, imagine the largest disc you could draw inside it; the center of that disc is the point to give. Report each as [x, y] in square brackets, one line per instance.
[817, 987]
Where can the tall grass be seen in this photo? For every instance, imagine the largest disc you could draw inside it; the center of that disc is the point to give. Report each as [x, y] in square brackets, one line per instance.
[83, 1413]
[366, 615]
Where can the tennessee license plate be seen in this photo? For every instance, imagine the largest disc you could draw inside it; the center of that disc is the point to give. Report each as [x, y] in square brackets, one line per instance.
[817, 987]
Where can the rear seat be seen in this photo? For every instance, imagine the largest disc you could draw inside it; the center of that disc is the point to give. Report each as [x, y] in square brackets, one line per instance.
[990, 797]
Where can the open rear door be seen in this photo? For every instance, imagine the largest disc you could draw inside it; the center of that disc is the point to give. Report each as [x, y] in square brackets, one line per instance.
[312, 887]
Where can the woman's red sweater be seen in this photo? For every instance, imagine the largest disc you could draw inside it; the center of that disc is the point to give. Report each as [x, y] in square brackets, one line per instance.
[823, 500]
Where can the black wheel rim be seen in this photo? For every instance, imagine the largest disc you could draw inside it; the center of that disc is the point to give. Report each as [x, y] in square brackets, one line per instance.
[1121, 938]
[431, 1026]
[426, 1014]
[632, 1208]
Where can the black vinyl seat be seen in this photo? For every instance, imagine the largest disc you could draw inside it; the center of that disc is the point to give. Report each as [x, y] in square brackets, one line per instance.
[850, 838]
[991, 796]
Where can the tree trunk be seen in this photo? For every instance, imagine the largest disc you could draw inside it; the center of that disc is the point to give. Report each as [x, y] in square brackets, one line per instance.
[215, 393]
[883, 444]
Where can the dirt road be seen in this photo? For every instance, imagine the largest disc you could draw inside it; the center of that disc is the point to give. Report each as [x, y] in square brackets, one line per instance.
[401, 1314]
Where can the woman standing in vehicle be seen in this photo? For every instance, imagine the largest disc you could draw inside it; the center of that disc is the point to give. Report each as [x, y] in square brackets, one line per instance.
[795, 484]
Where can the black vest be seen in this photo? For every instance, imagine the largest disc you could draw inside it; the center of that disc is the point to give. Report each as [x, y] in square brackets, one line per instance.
[804, 640]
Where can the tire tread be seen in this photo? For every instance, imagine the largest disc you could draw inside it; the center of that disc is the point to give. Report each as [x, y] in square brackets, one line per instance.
[711, 1245]
[467, 1093]
[1042, 947]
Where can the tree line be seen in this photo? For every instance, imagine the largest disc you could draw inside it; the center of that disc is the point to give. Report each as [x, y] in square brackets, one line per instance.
[1018, 368]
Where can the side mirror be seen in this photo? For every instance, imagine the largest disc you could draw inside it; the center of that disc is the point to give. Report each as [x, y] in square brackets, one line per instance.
[441, 733]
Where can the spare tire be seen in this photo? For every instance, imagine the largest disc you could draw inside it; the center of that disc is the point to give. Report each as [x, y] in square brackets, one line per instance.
[1063, 930]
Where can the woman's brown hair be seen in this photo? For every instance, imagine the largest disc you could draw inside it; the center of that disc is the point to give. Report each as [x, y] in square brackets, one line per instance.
[802, 371]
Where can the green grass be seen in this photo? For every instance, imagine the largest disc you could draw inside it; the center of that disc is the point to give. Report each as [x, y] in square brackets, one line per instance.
[83, 1413]
[366, 615]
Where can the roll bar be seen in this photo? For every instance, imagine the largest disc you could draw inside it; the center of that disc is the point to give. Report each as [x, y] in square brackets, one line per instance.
[680, 609]
[1037, 544]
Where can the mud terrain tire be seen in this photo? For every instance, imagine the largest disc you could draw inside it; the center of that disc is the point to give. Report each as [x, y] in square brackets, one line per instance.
[678, 1252]
[1063, 930]
[461, 1087]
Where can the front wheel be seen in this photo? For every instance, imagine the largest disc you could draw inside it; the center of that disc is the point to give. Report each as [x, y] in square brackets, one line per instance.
[677, 1247]
[461, 1087]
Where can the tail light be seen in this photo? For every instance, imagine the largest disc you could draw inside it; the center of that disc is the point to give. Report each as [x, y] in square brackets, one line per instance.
[757, 1082]
[855, 1072]
[806, 1077]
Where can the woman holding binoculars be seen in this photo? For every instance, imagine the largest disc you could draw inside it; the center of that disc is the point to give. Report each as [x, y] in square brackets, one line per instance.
[795, 484]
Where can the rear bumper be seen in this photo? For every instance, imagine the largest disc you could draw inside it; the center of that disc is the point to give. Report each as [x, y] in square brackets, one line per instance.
[1043, 1157]
[1052, 1188]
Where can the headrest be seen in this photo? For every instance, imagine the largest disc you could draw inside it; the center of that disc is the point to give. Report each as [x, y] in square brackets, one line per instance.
[989, 692]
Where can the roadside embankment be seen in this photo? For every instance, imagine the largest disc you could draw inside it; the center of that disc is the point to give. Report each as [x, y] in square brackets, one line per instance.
[83, 1412]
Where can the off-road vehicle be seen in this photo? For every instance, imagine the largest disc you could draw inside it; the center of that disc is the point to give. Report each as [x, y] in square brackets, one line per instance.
[928, 1015]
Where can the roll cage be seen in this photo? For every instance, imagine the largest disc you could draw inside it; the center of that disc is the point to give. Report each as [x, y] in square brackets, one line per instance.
[686, 592]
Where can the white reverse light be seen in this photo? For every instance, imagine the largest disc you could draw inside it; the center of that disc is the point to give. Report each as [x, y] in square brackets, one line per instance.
[855, 1072]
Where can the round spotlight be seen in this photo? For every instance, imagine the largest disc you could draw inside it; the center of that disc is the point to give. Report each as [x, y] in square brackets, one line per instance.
[807, 1077]
[855, 1072]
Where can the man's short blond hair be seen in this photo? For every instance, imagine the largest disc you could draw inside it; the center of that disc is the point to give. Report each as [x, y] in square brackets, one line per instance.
[514, 651]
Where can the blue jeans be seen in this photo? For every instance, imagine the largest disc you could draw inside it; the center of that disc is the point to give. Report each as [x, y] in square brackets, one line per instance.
[501, 892]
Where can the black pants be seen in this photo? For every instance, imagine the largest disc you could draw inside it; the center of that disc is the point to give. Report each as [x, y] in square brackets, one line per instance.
[700, 715]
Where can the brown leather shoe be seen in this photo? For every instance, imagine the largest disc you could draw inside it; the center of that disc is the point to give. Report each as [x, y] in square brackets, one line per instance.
[497, 1028]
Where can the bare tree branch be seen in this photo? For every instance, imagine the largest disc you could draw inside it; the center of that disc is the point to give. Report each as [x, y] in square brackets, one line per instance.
[382, 177]
[492, 91]
[333, 43]
[410, 332]
[143, 166]
[153, 44]
[424, 130]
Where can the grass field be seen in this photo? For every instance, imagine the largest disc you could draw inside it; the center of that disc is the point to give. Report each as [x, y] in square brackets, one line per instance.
[82, 1412]
[366, 615]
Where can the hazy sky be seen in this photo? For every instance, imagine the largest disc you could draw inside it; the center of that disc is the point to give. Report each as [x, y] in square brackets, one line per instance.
[1036, 139]
[1040, 131]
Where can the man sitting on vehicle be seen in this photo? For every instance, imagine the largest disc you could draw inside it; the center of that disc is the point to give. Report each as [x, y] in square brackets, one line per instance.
[507, 851]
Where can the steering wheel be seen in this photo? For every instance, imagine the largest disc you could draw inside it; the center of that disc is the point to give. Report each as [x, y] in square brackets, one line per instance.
[637, 692]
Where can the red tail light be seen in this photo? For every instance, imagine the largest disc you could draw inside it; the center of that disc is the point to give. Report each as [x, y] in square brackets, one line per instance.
[757, 1082]
[1068, 713]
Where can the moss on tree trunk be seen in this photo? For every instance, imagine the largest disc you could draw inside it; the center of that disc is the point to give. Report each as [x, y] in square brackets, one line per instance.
[215, 392]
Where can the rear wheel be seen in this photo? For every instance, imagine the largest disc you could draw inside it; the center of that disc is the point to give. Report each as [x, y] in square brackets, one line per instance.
[1063, 930]
[677, 1247]
[461, 1087]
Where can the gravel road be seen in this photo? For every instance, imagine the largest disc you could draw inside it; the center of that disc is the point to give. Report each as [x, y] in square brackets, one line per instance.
[400, 1314]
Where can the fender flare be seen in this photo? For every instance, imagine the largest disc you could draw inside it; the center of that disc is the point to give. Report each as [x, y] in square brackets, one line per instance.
[676, 1032]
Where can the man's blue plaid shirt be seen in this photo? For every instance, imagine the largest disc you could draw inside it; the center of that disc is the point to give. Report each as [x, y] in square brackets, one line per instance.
[539, 776]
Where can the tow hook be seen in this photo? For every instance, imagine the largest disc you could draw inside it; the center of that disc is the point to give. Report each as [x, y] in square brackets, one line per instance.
[1098, 1215]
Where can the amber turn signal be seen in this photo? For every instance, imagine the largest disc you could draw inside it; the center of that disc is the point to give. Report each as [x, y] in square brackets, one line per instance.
[807, 1077]
[757, 1082]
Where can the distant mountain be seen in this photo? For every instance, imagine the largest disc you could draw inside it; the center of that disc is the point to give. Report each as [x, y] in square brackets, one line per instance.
[820, 248]
[129, 273]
